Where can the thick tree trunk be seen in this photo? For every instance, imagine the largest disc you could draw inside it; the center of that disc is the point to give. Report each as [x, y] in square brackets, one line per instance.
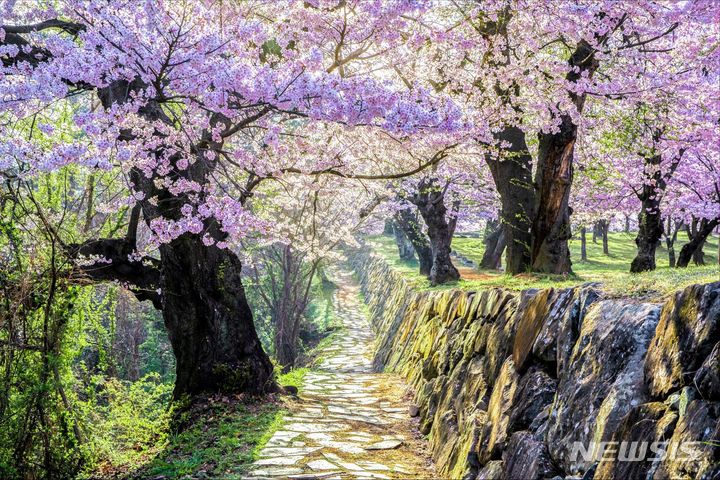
[551, 225]
[696, 242]
[698, 256]
[650, 226]
[494, 245]
[410, 226]
[604, 228]
[405, 248]
[209, 322]
[430, 200]
[499, 249]
[512, 175]
[650, 231]
[583, 244]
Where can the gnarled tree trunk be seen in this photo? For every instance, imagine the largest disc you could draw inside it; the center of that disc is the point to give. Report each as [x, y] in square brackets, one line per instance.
[512, 175]
[650, 228]
[430, 200]
[553, 178]
[410, 226]
[551, 227]
[697, 241]
[209, 321]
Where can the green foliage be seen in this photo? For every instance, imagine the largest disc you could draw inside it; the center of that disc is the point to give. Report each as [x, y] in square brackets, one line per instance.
[320, 311]
[127, 421]
[294, 378]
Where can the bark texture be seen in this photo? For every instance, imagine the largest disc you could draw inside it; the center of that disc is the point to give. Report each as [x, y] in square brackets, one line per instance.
[704, 229]
[554, 175]
[209, 321]
[410, 226]
[512, 174]
[430, 201]
[650, 224]
[650, 227]
[604, 227]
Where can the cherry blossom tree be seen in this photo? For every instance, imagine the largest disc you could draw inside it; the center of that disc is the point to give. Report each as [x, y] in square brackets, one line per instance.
[193, 102]
[527, 69]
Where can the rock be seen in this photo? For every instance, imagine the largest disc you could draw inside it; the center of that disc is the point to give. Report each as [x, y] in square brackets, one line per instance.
[290, 390]
[530, 318]
[444, 442]
[384, 445]
[545, 345]
[679, 401]
[494, 433]
[707, 378]
[278, 461]
[579, 367]
[603, 379]
[689, 328]
[413, 410]
[321, 465]
[535, 392]
[695, 443]
[526, 458]
[539, 423]
[571, 323]
[314, 476]
[500, 338]
[491, 471]
[633, 456]
[276, 472]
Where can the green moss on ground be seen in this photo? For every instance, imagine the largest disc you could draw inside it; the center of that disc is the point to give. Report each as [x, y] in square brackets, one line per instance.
[223, 437]
[610, 270]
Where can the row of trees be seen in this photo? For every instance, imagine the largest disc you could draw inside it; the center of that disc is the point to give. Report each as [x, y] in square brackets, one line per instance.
[203, 126]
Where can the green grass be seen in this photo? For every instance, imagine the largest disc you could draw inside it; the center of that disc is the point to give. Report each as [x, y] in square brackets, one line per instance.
[294, 378]
[223, 439]
[610, 270]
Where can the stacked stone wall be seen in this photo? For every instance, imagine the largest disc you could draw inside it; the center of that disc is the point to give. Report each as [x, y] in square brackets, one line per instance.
[523, 385]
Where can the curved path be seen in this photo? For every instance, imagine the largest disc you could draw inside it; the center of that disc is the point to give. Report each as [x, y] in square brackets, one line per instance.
[348, 422]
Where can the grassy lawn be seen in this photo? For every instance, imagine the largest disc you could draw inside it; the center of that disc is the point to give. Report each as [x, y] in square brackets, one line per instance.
[610, 270]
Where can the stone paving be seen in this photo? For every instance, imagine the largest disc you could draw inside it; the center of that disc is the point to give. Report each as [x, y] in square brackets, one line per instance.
[348, 422]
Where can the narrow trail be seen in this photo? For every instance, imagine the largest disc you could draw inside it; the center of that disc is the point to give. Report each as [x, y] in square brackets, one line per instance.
[348, 422]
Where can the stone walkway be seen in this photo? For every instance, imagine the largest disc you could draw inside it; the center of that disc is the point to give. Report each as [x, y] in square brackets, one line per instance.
[348, 421]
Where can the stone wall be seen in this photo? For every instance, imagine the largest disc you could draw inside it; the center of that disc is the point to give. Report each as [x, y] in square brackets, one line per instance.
[507, 382]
